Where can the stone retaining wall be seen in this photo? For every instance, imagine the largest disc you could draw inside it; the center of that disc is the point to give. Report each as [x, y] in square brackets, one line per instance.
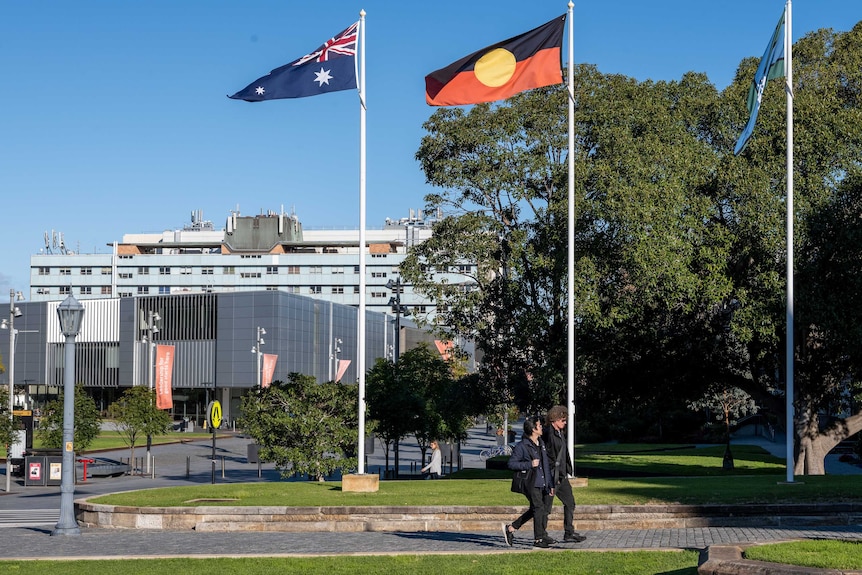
[458, 518]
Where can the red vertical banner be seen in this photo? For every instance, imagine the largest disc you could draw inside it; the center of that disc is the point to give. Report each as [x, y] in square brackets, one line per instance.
[269, 360]
[343, 364]
[164, 373]
[445, 348]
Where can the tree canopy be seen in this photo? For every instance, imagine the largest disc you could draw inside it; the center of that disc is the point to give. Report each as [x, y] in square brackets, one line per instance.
[680, 246]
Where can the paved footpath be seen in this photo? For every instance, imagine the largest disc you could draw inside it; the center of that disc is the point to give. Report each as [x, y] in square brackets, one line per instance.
[28, 515]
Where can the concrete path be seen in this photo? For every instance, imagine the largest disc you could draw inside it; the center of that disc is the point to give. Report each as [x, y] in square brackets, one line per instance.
[28, 514]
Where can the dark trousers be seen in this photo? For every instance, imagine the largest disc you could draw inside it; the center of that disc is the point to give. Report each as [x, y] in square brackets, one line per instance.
[564, 493]
[540, 502]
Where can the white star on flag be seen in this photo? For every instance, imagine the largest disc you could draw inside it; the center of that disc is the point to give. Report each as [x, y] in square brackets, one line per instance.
[322, 77]
[259, 91]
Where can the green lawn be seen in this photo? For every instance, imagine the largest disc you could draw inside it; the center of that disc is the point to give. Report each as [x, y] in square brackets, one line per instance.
[823, 554]
[684, 490]
[512, 563]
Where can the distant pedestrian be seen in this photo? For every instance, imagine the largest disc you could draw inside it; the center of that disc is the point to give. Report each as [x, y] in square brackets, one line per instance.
[561, 465]
[434, 467]
[530, 454]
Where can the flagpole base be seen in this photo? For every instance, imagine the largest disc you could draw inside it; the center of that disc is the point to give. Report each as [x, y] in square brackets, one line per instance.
[365, 483]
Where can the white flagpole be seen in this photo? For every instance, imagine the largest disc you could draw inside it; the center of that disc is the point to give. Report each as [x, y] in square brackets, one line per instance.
[360, 319]
[570, 376]
[788, 74]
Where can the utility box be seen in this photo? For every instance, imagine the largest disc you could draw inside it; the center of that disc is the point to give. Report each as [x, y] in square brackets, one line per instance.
[251, 454]
[34, 470]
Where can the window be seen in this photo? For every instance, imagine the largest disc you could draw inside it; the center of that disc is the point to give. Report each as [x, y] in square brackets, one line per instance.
[85, 290]
[465, 269]
[106, 271]
[207, 271]
[44, 271]
[271, 288]
[378, 294]
[65, 290]
[106, 290]
[86, 271]
[338, 289]
[355, 289]
[272, 270]
[338, 270]
[356, 269]
[315, 290]
[418, 309]
[293, 270]
[250, 256]
[378, 274]
[143, 271]
[143, 289]
[164, 290]
[228, 270]
[125, 294]
[65, 271]
[185, 271]
[126, 257]
[292, 289]
[165, 271]
[379, 255]
[249, 275]
[315, 269]
[126, 276]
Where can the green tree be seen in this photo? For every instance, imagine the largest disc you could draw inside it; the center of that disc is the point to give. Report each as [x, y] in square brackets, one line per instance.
[7, 425]
[88, 422]
[304, 426]
[135, 414]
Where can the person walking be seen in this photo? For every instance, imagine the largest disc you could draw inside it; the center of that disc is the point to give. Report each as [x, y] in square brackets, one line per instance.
[561, 465]
[530, 454]
[434, 467]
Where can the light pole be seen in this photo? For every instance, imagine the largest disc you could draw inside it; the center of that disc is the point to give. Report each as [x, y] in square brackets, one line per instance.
[152, 329]
[336, 348]
[395, 303]
[257, 350]
[10, 370]
[70, 312]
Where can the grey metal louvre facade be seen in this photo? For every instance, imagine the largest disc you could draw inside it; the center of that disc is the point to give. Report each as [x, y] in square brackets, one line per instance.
[213, 335]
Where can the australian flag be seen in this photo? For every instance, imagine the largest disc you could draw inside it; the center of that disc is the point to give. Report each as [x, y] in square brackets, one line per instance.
[330, 68]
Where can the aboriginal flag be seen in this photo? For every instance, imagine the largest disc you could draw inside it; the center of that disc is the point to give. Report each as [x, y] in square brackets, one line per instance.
[531, 60]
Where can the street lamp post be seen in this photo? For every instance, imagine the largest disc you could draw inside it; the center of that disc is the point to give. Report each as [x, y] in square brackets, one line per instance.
[70, 312]
[336, 349]
[10, 370]
[395, 303]
[152, 329]
[257, 350]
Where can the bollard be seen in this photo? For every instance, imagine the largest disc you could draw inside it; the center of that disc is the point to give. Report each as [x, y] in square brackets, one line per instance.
[153, 468]
[188, 465]
[258, 468]
[222, 466]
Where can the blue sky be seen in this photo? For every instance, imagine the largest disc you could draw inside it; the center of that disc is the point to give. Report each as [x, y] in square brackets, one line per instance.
[115, 120]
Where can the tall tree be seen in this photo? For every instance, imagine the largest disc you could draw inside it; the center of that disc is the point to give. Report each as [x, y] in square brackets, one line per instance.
[87, 424]
[135, 414]
[303, 426]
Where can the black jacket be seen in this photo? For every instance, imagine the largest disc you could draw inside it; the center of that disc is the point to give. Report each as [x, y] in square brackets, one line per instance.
[523, 454]
[558, 453]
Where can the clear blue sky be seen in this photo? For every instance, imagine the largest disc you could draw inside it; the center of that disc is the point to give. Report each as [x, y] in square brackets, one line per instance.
[115, 120]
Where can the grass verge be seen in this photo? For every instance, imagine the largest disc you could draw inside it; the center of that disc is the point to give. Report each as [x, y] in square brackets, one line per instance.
[514, 563]
[822, 553]
[639, 491]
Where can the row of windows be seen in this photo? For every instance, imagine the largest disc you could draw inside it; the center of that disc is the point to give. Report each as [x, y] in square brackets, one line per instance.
[231, 270]
[166, 290]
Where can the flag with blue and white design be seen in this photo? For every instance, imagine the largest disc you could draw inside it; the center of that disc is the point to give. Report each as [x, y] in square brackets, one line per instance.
[771, 66]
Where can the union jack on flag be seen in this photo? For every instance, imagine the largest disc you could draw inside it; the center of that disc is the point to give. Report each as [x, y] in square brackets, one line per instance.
[330, 68]
[343, 44]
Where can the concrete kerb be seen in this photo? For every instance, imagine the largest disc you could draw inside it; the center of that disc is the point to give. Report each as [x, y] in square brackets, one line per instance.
[728, 560]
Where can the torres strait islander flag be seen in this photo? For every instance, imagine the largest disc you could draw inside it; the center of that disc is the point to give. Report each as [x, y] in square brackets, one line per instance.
[531, 60]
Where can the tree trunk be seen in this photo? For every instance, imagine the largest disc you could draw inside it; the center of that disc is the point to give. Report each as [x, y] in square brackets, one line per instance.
[814, 444]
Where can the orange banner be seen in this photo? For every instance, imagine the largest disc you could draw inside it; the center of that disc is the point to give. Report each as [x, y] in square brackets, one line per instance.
[445, 348]
[164, 372]
[269, 360]
[343, 364]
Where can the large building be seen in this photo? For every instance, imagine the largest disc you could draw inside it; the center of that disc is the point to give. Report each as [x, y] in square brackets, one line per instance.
[214, 293]
[265, 252]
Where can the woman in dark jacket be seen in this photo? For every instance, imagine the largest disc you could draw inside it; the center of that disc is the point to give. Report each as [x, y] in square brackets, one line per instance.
[529, 454]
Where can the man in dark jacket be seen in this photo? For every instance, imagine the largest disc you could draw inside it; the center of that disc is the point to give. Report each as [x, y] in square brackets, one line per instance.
[561, 465]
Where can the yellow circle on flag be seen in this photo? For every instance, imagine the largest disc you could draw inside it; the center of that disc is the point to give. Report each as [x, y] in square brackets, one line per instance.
[495, 68]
